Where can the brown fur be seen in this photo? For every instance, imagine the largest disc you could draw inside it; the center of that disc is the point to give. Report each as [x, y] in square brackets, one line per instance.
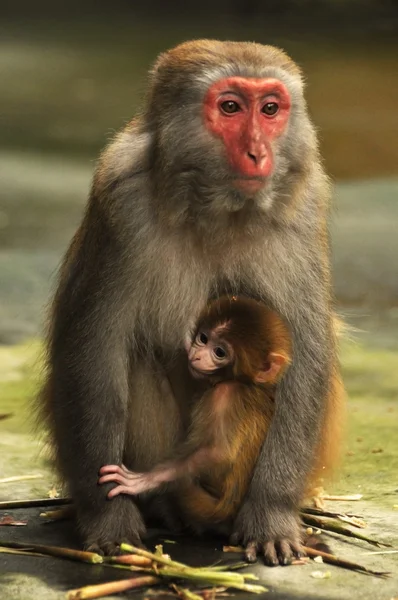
[163, 232]
[238, 427]
[230, 417]
[245, 425]
[254, 331]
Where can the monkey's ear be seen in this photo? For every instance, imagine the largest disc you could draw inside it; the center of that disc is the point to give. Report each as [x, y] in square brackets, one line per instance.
[275, 365]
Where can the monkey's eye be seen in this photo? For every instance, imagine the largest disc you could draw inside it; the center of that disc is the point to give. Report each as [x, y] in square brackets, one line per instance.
[270, 109]
[230, 107]
[203, 339]
[220, 352]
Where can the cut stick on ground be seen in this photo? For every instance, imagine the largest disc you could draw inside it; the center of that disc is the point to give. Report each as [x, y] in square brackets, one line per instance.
[59, 514]
[309, 510]
[185, 594]
[201, 575]
[329, 558]
[9, 520]
[211, 593]
[58, 552]
[326, 524]
[345, 564]
[356, 520]
[165, 560]
[9, 504]
[4, 550]
[380, 552]
[170, 568]
[113, 587]
[20, 478]
[128, 559]
[348, 498]
[232, 567]
[154, 557]
[154, 592]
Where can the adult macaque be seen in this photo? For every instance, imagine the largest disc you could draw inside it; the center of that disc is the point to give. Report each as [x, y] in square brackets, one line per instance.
[217, 188]
[239, 351]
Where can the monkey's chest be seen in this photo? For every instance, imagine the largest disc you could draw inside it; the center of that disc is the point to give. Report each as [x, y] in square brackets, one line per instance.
[177, 287]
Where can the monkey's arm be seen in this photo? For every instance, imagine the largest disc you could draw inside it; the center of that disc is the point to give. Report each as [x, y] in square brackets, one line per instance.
[267, 521]
[87, 392]
[129, 482]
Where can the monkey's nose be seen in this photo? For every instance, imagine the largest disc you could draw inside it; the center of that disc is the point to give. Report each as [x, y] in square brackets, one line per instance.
[257, 157]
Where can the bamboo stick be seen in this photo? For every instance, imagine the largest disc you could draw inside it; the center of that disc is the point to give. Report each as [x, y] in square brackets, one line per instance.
[342, 562]
[186, 594]
[327, 524]
[56, 551]
[20, 478]
[112, 587]
[9, 504]
[176, 570]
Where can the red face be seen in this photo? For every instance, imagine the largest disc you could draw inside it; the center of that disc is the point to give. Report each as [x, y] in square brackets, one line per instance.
[248, 115]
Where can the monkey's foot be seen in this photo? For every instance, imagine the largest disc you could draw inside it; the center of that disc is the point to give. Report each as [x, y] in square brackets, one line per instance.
[276, 538]
[118, 521]
[275, 553]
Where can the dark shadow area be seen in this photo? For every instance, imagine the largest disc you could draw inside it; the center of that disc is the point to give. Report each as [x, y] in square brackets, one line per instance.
[63, 575]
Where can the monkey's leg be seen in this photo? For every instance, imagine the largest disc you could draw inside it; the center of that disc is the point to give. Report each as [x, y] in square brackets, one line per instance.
[153, 427]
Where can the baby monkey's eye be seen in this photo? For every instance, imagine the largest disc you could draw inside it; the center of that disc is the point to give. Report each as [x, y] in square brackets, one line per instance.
[203, 339]
[220, 352]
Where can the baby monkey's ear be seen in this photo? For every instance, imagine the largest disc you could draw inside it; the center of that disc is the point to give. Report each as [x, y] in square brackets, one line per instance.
[273, 368]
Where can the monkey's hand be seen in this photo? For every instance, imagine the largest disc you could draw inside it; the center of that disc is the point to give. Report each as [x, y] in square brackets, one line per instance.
[275, 534]
[127, 481]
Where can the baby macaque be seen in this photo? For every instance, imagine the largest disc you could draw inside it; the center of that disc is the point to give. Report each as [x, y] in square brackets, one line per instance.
[240, 349]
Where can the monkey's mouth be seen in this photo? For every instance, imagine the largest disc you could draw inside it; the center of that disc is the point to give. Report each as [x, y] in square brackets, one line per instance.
[195, 373]
[249, 185]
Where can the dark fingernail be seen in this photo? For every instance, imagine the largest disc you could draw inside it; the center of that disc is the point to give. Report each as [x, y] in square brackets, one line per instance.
[272, 562]
[251, 558]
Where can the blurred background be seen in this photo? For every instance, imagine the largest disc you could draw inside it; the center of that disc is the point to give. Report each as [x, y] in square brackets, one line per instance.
[74, 74]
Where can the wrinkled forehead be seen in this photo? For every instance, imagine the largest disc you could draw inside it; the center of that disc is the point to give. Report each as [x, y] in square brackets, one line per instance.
[207, 77]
